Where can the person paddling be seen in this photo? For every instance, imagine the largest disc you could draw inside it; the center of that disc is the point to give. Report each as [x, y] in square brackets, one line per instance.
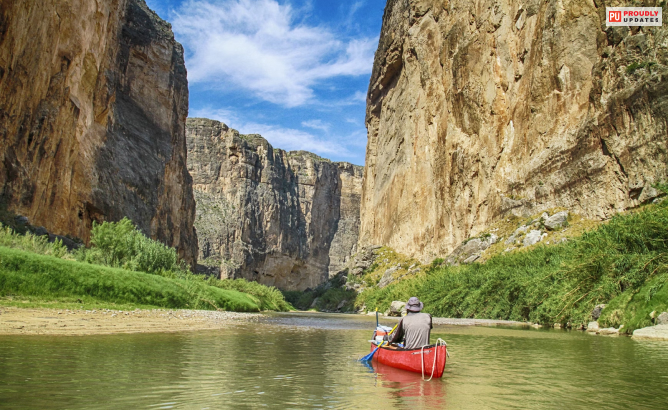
[415, 327]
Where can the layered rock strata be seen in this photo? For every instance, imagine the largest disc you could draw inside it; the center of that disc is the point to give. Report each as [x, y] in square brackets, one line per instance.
[93, 103]
[479, 110]
[284, 219]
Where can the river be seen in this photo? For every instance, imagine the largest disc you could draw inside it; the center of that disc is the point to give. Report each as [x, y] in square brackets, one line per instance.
[304, 361]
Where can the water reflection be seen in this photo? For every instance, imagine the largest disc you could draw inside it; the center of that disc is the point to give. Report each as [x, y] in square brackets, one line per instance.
[408, 388]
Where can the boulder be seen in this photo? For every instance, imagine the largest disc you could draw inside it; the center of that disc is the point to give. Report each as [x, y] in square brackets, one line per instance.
[596, 313]
[396, 308]
[662, 319]
[341, 304]
[40, 231]
[471, 259]
[593, 327]
[21, 220]
[533, 238]
[471, 249]
[387, 277]
[69, 243]
[608, 331]
[648, 194]
[315, 302]
[518, 232]
[659, 332]
[556, 221]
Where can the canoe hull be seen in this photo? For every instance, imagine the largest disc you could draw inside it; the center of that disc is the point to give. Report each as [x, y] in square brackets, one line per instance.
[411, 360]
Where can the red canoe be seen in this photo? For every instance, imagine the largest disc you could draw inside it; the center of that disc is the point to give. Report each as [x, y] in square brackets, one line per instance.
[412, 360]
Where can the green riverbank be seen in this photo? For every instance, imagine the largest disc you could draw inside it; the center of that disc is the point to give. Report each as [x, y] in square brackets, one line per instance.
[622, 263]
[37, 273]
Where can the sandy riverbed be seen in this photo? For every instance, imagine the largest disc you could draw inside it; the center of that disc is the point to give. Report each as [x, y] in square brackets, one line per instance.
[15, 321]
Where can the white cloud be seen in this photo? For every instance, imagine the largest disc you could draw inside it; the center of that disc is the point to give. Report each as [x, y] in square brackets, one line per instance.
[316, 125]
[292, 140]
[356, 6]
[258, 46]
[228, 117]
[359, 97]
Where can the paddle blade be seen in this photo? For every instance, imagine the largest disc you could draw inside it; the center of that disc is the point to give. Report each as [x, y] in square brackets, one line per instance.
[368, 357]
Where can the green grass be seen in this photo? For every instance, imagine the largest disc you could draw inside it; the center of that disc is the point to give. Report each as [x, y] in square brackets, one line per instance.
[633, 307]
[623, 262]
[121, 248]
[267, 298]
[49, 278]
[72, 303]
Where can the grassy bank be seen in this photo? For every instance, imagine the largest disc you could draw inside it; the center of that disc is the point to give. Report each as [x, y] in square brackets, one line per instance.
[122, 268]
[50, 278]
[623, 262]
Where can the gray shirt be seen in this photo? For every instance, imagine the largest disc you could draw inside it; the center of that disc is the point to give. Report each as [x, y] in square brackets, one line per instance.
[415, 328]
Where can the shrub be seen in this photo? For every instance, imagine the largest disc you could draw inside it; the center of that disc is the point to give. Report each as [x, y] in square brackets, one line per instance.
[551, 284]
[31, 243]
[122, 245]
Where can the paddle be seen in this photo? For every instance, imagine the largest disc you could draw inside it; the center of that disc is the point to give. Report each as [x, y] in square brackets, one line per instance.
[368, 357]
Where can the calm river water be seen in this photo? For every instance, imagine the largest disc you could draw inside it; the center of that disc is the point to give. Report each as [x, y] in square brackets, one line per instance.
[303, 361]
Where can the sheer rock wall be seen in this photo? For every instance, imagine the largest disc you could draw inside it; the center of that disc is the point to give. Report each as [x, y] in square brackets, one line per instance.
[93, 104]
[479, 109]
[284, 219]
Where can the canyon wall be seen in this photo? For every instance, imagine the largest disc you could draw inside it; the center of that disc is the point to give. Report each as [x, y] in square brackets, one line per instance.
[284, 219]
[93, 104]
[481, 109]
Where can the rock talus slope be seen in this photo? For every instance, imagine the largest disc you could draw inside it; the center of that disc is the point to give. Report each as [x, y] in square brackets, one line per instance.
[284, 219]
[93, 103]
[478, 109]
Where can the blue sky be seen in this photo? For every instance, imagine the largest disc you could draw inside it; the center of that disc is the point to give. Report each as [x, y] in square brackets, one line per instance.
[296, 71]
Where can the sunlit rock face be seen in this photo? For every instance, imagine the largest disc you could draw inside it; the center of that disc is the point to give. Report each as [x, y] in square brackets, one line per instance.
[93, 103]
[285, 219]
[479, 109]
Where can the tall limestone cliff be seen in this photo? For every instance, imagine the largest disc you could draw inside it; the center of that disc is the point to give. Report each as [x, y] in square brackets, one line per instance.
[93, 104]
[479, 109]
[285, 219]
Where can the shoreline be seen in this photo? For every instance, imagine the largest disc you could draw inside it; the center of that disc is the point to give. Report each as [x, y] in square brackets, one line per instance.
[478, 322]
[16, 321]
[65, 322]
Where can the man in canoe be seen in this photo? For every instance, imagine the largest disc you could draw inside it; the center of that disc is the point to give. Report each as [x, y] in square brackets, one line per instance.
[415, 327]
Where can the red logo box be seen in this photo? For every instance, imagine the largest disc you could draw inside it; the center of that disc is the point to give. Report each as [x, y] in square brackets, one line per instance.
[615, 16]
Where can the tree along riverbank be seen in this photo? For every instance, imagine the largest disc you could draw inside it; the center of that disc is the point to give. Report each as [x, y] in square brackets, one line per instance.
[622, 263]
[122, 269]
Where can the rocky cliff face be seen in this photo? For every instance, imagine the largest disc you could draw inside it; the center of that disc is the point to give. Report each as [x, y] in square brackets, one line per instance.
[479, 109]
[93, 103]
[285, 219]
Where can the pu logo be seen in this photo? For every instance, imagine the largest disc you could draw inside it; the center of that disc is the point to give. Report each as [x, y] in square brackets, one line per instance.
[615, 16]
